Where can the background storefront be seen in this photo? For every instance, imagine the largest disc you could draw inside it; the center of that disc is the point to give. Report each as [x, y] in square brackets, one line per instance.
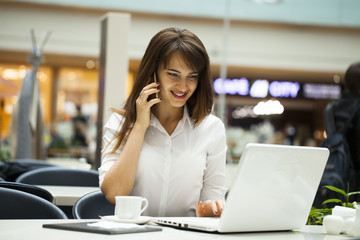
[305, 50]
[70, 93]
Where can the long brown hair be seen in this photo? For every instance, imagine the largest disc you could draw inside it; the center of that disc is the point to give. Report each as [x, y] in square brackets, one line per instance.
[159, 51]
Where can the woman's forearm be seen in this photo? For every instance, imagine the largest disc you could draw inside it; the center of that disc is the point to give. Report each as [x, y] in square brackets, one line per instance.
[120, 178]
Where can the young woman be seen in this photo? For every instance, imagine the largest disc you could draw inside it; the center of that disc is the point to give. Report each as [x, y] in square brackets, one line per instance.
[165, 144]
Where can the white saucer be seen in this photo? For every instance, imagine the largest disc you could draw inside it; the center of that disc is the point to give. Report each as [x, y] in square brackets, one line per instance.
[139, 220]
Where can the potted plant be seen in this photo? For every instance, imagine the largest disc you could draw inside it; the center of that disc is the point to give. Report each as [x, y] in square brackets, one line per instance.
[317, 215]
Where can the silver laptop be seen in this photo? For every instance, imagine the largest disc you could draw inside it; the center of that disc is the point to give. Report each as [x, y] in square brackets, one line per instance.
[273, 190]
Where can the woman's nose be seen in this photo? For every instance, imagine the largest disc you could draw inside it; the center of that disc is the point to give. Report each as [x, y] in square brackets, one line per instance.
[182, 84]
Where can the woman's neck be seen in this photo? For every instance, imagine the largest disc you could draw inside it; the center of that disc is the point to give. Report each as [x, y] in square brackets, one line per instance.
[168, 116]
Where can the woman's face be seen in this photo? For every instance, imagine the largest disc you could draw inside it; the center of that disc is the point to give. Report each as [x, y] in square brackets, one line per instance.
[177, 81]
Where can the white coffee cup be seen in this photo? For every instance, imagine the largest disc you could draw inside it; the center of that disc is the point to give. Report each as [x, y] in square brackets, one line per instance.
[130, 207]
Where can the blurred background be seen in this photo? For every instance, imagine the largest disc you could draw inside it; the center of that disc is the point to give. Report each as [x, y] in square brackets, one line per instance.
[275, 64]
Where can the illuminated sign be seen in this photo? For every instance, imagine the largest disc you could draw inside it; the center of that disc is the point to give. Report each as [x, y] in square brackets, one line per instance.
[322, 91]
[284, 89]
[261, 88]
[269, 107]
[232, 87]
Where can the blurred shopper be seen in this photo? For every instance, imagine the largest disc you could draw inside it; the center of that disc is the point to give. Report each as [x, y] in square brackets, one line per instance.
[57, 141]
[165, 144]
[290, 134]
[349, 106]
[80, 126]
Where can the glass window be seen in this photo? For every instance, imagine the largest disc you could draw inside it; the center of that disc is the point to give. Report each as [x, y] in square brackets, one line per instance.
[73, 132]
[11, 77]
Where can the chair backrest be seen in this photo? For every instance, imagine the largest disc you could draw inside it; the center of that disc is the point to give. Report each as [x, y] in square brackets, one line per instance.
[33, 162]
[38, 191]
[10, 170]
[59, 176]
[92, 205]
[15, 204]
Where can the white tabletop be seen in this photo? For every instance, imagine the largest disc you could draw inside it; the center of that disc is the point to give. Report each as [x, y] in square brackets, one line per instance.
[32, 229]
[67, 195]
[74, 163]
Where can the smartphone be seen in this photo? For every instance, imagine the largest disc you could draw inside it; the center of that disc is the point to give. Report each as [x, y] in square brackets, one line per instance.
[155, 81]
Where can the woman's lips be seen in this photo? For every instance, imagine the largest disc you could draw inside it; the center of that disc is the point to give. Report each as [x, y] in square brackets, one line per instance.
[178, 95]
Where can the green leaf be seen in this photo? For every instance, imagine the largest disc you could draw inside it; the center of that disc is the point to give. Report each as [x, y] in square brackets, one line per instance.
[349, 205]
[335, 189]
[332, 200]
[354, 193]
[316, 215]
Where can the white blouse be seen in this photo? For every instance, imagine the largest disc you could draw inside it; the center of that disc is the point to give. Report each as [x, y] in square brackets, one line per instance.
[175, 172]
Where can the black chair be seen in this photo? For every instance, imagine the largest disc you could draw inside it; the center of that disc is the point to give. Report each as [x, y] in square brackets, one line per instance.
[59, 176]
[38, 191]
[10, 170]
[15, 204]
[92, 205]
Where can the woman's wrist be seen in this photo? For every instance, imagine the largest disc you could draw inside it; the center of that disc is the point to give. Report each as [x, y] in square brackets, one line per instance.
[140, 128]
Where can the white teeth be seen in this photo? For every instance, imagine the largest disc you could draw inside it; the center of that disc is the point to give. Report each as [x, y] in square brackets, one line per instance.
[179, 94]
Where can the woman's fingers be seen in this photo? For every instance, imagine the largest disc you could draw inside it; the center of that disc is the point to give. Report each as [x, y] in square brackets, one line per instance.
[220, 205]
[146, 93]
[148, 90]
[151, 85]
[214, 208]
[143, 105]
[210, 208]
[200, 209]
[203, 209]
[206, 209]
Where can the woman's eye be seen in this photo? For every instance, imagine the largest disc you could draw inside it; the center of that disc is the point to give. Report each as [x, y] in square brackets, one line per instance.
[193, 77]
[172, 74]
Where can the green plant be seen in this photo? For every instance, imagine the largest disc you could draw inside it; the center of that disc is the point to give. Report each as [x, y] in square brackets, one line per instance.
[316, 215]
[4, 153]
[346, 196]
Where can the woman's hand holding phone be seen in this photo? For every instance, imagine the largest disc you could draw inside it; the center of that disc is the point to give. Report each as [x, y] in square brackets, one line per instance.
[143, 105]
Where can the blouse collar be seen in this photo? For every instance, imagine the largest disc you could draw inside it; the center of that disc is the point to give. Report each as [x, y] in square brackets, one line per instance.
[184, 120]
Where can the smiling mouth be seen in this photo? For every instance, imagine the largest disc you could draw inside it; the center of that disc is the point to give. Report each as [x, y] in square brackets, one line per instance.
[178, 95]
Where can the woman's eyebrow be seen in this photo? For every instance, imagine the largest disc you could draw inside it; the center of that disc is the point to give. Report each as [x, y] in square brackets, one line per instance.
[174, 70]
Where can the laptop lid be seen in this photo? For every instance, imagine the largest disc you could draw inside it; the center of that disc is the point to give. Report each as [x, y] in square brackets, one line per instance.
[274, 188]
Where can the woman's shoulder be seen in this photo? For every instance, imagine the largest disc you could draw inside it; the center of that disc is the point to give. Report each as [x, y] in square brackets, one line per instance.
[212, 121]
[213, 133]
[114, 119]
